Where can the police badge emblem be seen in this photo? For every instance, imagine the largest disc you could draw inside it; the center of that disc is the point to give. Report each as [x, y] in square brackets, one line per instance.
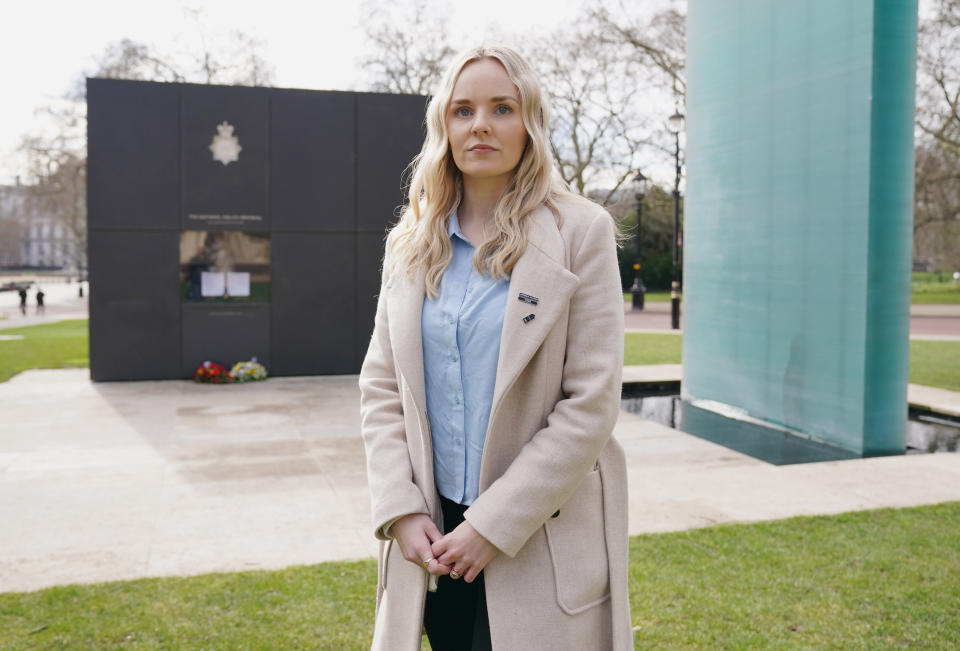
[225, 146]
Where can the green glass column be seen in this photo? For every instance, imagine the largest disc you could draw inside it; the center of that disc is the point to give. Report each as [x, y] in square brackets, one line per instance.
[798, 225]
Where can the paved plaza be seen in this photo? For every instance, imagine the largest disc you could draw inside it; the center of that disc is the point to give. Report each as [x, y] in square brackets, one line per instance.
[133, 479]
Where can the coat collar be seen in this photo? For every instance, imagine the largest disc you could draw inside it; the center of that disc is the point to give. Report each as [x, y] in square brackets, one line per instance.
[539, 272]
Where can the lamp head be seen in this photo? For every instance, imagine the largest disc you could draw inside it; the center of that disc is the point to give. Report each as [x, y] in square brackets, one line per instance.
[675, 122]
[640, 184]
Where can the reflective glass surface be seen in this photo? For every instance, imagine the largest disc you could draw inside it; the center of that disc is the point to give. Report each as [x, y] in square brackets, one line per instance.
[224, 267]
[798, 215]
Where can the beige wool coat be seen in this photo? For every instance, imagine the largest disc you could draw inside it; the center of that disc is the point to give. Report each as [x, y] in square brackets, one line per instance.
[553, 488]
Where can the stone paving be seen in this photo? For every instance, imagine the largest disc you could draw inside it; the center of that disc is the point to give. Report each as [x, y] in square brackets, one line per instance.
[123, 480]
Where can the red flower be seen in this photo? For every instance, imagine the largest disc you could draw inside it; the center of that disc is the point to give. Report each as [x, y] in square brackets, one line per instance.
[213, 373]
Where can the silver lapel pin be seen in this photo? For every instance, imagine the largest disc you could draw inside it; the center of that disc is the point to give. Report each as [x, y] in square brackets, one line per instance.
[526, 298]
[529, 318]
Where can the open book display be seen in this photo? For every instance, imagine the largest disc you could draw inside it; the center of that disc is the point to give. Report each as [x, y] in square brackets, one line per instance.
[224, 283]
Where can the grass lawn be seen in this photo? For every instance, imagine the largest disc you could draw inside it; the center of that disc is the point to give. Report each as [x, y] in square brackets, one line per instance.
[951, 295]
[929, 288]
[53, 345]
[644, 348]
[874, 579]
[935, 364]
[64, 345]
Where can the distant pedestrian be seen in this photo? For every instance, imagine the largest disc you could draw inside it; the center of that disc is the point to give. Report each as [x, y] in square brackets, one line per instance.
[23, 301]
[40, 308]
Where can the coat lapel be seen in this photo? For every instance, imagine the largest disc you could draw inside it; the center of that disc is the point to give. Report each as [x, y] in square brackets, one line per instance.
[540, 272]
[405, 304]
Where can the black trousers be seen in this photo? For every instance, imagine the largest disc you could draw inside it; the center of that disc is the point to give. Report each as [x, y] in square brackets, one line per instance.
[455, 615]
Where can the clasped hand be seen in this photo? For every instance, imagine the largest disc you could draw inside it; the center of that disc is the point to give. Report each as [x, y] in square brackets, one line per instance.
[463, 549]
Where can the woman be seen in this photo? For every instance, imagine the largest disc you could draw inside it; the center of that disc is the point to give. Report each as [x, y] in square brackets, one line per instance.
[491, 387]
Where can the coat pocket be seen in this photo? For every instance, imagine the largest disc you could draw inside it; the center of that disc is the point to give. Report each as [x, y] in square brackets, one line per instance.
[578, 548]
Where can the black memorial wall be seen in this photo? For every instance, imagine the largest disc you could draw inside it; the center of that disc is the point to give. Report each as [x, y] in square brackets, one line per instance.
[317, 174]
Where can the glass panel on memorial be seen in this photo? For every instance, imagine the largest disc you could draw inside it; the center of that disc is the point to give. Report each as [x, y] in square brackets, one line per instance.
[224, 267]
[779, 215]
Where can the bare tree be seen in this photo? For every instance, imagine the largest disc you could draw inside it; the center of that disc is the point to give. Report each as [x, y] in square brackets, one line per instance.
[55, 155]
[127, 59]
[936, 226]
[937, 191]
[205, 55]
[55, 167]
[596, 135]
[249, 66]
[599, 85]
[657, 44]
[938, 105]
[410, 47]
[60, 194]
[604, 80]
[597, 131]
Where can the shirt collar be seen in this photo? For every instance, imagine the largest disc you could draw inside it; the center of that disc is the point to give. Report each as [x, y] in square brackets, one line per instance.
[453, 227]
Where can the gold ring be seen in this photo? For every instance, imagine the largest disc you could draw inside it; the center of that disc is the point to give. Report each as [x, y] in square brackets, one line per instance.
[454, 575]
[426, 562]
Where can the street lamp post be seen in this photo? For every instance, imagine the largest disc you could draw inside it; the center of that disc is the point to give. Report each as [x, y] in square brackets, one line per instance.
[675, 124]
[639, 190]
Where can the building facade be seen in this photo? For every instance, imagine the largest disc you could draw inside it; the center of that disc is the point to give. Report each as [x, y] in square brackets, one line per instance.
[31, 238]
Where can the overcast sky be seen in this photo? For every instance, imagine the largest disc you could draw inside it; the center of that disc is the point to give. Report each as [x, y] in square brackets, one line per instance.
[47, 44]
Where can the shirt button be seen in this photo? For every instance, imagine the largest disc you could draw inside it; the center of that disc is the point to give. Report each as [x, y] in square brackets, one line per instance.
[459, 441]
[453, 357]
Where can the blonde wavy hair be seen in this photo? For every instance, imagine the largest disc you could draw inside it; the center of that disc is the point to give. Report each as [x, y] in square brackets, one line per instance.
[420, 239]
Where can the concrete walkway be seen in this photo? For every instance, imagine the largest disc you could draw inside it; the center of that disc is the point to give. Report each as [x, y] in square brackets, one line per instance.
[123, 480]
[62, 301]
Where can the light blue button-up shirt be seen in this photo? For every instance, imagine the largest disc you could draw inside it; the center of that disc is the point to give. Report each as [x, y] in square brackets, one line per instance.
[461, 343]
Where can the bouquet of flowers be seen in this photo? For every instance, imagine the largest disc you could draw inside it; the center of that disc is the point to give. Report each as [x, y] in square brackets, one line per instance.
[213, 373]
[248, 371]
